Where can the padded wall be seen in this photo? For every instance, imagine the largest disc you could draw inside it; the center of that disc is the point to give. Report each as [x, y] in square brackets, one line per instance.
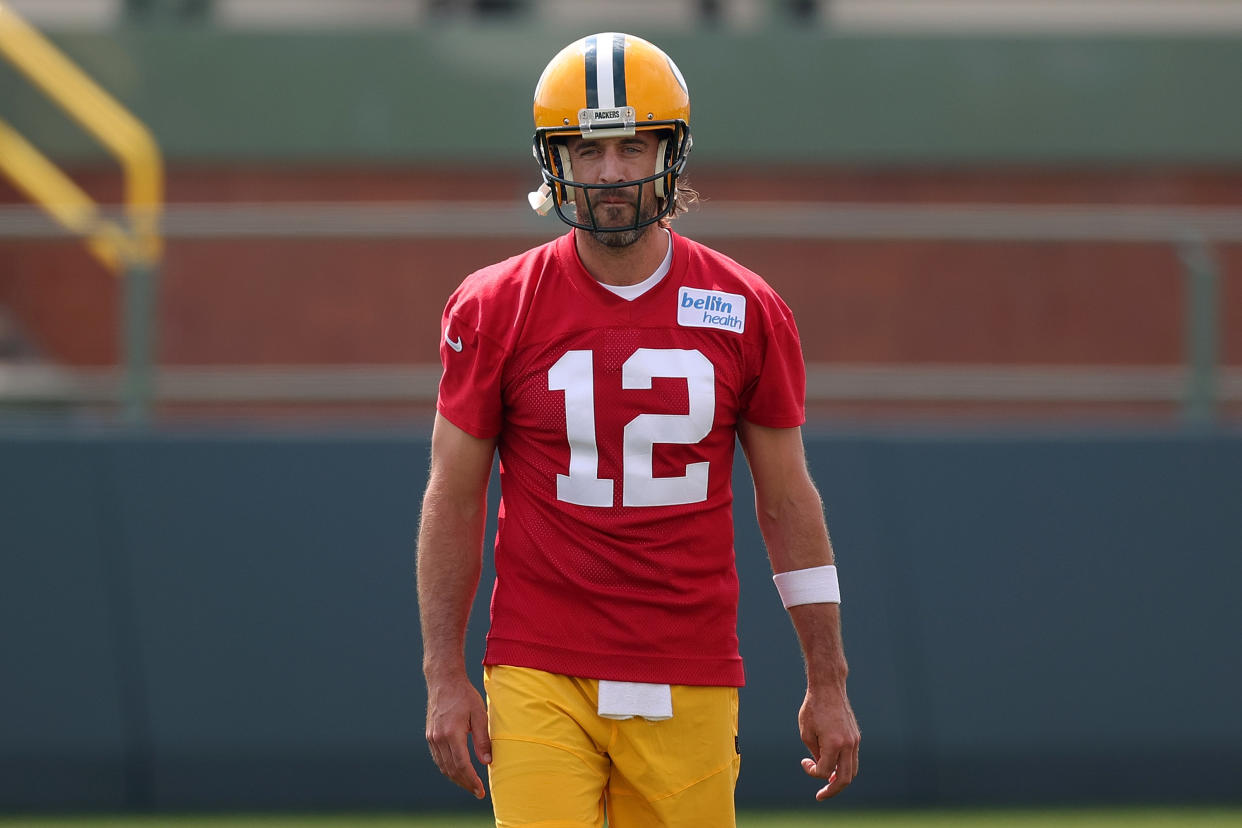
[229, 621]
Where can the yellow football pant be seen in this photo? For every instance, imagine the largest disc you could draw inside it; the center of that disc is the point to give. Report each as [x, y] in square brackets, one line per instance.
[556, 763]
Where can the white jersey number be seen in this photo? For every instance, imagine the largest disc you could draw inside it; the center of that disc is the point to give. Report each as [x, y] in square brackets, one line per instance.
[574, 373]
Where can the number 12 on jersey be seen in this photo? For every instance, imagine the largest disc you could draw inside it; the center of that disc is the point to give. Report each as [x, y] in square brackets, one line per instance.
[574, 373]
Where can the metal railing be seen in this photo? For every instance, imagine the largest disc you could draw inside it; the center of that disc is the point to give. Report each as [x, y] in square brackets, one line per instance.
[715, 220]
[127, 244]
[1199, 386]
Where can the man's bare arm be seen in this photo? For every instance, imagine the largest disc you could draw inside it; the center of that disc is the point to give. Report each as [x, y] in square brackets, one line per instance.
[791, 518]
[450, 558]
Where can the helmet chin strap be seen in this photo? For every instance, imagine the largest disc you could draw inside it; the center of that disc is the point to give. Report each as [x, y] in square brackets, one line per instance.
[541, 200]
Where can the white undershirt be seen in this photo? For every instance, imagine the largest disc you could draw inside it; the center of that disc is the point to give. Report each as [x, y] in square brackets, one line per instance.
[632, 292]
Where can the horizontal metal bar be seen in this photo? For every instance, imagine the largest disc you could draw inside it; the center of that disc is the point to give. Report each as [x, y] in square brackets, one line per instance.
[1003, 383]
[231, 384]
[770, 220]
[966, 222]
[1162, 17]
[418, 384]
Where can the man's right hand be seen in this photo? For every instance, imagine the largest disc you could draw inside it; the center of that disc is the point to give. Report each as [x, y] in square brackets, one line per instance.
[455, 710]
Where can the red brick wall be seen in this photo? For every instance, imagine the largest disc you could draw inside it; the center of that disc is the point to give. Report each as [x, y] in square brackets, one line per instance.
[308, 301]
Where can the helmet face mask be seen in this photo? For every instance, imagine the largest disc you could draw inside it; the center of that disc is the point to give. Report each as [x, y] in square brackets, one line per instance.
[609, 85]
[553, 156]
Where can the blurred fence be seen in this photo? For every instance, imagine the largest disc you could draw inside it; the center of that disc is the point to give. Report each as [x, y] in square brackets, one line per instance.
[1200, 387]
[770, 101]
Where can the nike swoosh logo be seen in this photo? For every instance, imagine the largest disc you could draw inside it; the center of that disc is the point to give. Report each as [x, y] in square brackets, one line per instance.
[455, 345]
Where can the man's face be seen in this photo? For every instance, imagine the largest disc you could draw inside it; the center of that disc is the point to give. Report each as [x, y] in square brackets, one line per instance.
[612, 161]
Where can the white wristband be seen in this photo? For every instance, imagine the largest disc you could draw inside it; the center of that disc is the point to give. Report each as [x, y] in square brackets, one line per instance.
[817, 585]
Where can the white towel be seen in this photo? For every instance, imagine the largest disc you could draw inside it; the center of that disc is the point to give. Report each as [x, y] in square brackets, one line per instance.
[626, 699]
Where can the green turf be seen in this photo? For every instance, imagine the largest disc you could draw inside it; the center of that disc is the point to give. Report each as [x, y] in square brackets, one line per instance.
[1113, 818]
[819, 818]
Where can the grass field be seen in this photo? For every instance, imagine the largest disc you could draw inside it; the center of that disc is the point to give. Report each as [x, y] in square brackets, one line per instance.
[1091, 818]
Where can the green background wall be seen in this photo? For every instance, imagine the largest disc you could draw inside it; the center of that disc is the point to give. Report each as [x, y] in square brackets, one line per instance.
[771, 96]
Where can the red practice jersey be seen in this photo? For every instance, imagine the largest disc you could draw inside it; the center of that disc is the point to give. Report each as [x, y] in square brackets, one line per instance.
[616, 423]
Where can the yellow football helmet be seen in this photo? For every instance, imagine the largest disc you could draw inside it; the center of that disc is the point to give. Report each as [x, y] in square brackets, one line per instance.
[604, 86]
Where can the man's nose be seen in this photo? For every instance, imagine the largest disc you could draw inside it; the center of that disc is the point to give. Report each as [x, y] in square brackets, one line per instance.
[612, 169]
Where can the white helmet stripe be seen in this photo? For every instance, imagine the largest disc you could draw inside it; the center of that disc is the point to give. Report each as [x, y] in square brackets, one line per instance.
[603, 76]
[605, 70]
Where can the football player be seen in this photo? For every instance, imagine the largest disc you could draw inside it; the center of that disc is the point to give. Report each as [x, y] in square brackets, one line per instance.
[613, 369]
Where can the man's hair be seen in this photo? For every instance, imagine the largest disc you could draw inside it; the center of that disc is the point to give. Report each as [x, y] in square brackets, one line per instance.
[684, 198]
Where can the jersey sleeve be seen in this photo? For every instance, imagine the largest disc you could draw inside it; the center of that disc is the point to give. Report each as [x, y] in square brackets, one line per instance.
[777, 397]
[470, 385]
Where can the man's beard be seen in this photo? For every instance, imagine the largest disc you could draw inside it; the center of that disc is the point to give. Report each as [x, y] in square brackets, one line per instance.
[624, 236]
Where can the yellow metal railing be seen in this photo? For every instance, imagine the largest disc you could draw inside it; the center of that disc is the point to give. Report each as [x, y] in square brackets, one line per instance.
[131, 248]
[45, 184]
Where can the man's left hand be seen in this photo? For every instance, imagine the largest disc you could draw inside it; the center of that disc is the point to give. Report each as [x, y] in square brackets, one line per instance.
[828, 729]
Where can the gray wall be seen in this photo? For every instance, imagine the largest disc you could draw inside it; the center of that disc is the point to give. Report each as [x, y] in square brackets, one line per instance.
[228, 621]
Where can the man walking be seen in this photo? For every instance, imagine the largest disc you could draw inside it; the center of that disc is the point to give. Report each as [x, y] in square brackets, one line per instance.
[613, 369]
